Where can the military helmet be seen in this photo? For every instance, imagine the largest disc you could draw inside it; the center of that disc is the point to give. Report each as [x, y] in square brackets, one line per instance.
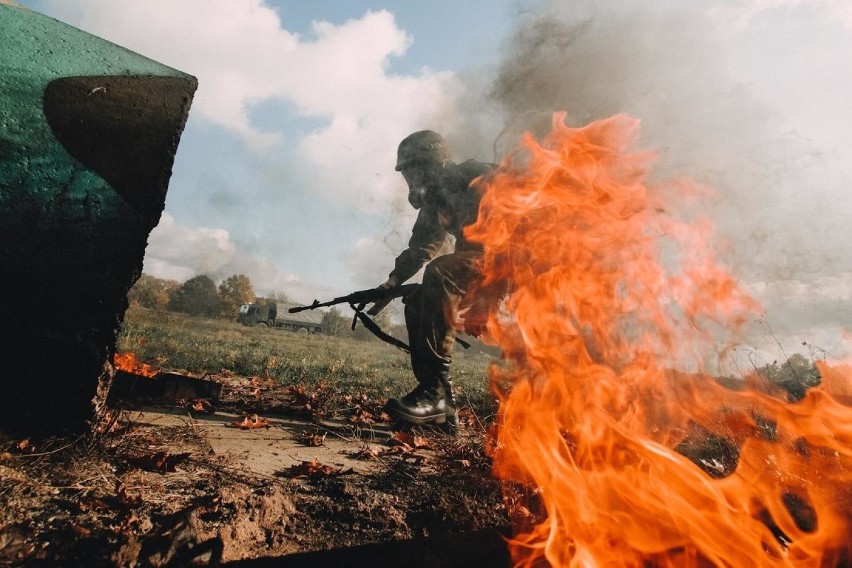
[424, 146]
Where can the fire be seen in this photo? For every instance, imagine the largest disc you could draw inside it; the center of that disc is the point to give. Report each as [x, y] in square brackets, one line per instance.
[128, 363]
[618, 311]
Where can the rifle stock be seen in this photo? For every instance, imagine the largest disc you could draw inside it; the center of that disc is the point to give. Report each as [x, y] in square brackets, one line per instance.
[360, 298]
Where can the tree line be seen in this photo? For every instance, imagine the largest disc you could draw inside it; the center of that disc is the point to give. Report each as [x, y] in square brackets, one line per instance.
[201, 296]
[198, 296]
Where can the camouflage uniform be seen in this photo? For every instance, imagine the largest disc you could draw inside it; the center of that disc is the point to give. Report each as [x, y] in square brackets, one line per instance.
[450, 203]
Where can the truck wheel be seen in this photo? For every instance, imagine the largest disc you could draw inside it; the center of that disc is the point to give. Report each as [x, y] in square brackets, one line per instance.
[261, 324]
[302, 330]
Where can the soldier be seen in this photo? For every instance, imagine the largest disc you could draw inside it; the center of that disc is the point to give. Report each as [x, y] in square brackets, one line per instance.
[446, 196]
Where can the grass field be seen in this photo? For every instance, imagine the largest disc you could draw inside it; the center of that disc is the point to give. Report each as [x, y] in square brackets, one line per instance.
[207, 346]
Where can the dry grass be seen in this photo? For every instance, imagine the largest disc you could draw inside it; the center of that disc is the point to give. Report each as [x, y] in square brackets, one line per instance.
[208, 346]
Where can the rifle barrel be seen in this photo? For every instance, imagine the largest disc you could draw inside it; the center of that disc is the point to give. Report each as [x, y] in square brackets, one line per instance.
[313, 306]
[360, 297]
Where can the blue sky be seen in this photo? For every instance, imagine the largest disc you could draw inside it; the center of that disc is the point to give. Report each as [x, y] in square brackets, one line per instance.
[448, 34]
[285, 170]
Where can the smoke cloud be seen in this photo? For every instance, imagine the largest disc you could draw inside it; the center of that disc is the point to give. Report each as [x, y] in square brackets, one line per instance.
[718, 88]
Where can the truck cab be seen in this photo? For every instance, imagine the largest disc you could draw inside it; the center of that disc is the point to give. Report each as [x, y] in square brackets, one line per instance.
[273, 315]
[257, 314]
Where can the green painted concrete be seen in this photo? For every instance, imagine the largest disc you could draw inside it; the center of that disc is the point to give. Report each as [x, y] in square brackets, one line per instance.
[39, 181]
[88, 132]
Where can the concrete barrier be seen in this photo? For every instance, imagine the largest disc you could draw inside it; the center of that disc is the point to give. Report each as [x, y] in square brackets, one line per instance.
[88, 134]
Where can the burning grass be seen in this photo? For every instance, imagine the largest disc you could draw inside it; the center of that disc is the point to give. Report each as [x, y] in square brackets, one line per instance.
[617, 307]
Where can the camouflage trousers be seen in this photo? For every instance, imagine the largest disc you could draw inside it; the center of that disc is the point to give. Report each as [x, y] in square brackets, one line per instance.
[432, 313]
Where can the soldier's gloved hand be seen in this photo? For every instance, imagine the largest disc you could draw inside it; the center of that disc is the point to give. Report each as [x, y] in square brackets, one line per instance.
[379, 305]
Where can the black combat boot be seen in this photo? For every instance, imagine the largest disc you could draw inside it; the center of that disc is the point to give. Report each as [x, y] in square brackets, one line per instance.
[427, 404]
[450, 401]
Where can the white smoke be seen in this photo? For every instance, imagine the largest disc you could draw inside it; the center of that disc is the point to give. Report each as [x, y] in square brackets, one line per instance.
[731, 95]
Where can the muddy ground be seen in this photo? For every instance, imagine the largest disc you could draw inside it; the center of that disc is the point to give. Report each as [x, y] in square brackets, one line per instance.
[256, 478]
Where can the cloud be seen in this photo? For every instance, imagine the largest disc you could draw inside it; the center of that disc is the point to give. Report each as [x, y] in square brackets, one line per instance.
[177, 252]
[243, 57]
[181, 252]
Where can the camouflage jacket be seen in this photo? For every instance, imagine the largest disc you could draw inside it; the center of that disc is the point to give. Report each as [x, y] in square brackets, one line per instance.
[452, 204]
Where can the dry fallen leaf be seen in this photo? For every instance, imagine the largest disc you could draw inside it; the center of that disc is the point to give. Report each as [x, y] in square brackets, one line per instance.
[202, 406]
[312, 468]
[91, 503]
[251, 421]
[421, 442]
[363, 417]
[468, 419]
[403, 438]
[124, 498]
[159, 461]
[124, 524]
[260, 383]
[367, 453]
[312, 439]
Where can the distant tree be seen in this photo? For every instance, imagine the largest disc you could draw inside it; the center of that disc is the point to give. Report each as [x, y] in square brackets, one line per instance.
[279, 298]
[197, 296]
[234, 291]
[151, 292]
[334, 323]
[796, 375]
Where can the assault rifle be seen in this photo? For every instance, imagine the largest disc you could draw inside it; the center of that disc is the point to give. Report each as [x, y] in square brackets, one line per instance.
[361, 298]
[358, 301]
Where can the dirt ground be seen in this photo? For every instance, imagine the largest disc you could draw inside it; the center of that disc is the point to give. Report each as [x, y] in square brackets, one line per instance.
[257, 475]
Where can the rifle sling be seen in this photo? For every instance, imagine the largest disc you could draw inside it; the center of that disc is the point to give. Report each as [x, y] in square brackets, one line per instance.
[380, 333]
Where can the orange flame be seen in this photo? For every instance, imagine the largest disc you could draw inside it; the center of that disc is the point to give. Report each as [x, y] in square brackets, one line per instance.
[616, 308]
[128, 363]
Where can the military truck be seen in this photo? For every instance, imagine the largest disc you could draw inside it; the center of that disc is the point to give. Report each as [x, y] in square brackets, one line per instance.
[276, 315]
